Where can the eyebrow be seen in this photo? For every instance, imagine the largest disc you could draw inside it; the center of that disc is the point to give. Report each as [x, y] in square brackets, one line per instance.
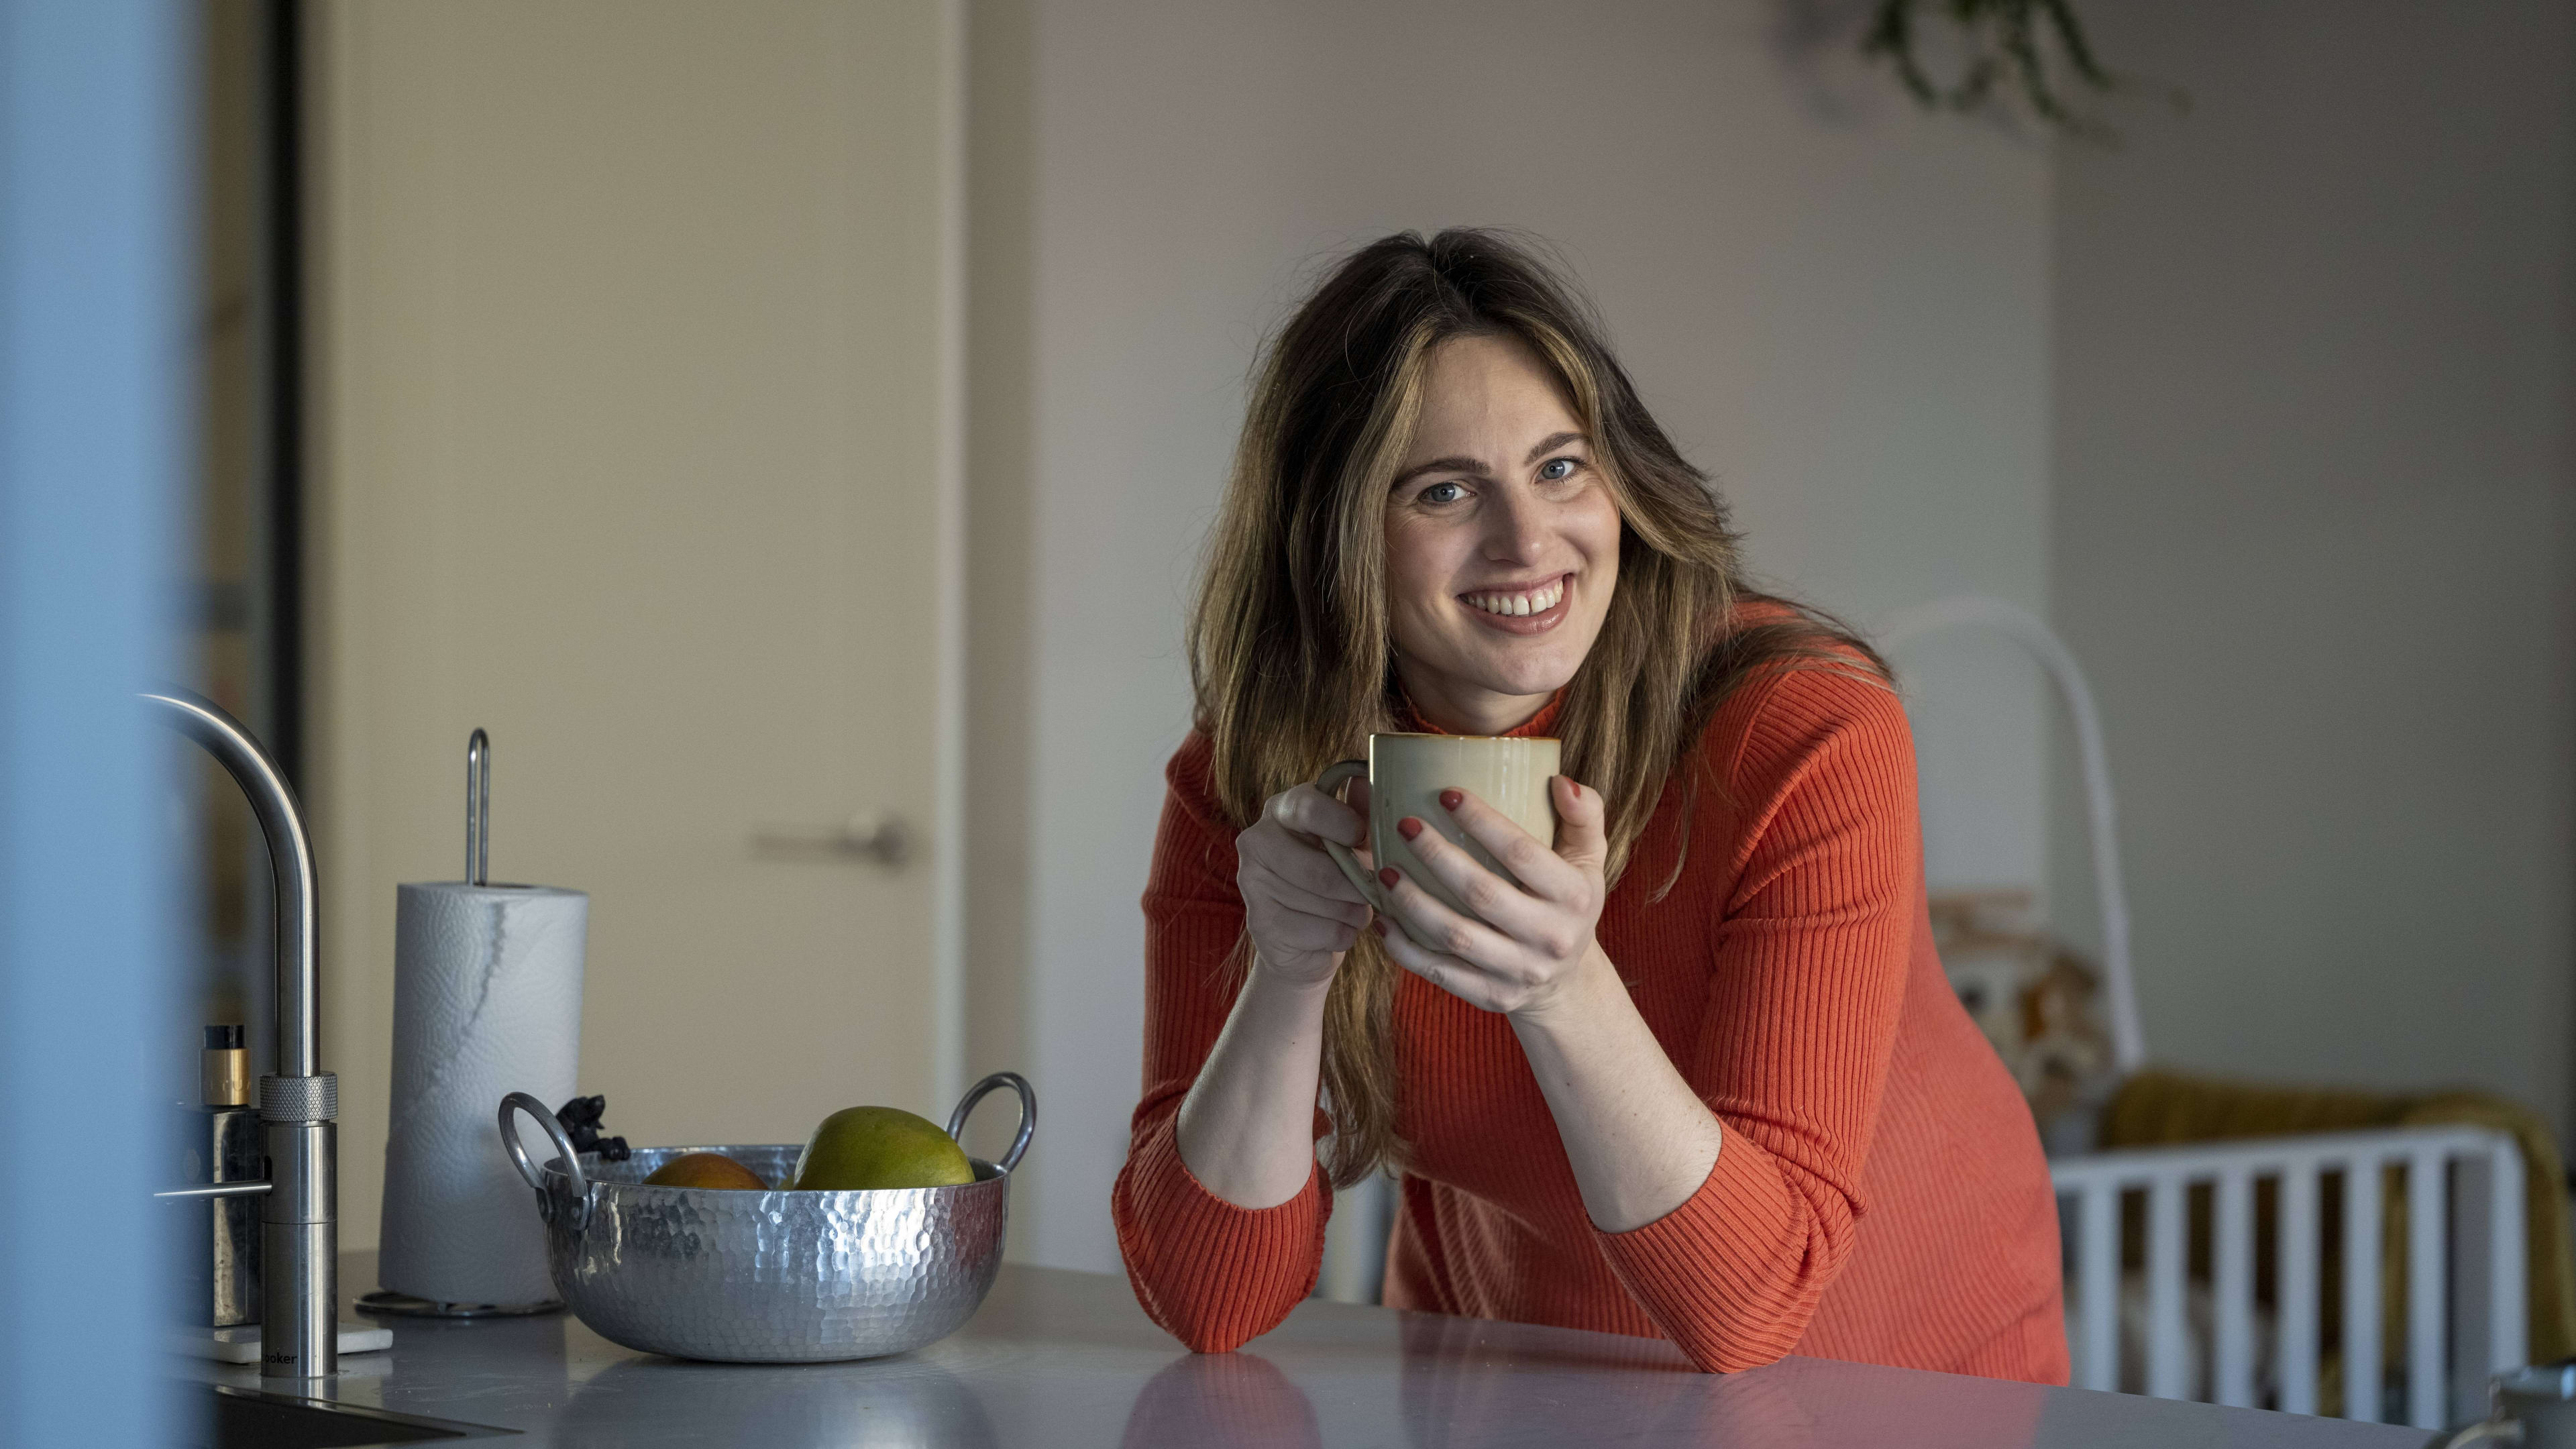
[1550, 444]
[1455, 464]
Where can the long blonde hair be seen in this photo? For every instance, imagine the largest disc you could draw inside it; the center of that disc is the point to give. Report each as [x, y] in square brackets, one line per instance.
[1289, 652]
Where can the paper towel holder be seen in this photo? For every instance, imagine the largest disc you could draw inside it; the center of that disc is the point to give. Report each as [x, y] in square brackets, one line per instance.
[478, 872]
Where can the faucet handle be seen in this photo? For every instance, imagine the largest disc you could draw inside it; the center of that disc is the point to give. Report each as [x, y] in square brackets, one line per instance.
[199, 1192]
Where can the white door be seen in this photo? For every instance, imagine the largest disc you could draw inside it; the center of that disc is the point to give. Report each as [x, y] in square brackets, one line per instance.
[636, 352]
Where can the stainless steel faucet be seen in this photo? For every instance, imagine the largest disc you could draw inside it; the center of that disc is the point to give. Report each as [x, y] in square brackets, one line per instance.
[299, 1327]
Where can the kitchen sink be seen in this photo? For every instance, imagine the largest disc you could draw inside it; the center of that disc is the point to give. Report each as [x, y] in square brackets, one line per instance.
[229, 1418]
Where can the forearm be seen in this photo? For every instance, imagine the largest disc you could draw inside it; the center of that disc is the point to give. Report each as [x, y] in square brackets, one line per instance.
[1246, 1130]
[1640, 1140]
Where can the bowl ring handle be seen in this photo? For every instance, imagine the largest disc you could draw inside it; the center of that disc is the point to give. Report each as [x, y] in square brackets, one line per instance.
[1028, 1113]
[518, 1102]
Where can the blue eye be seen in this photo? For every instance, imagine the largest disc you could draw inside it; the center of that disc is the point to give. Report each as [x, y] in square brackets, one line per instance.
[1557, 470]
[1441, 493]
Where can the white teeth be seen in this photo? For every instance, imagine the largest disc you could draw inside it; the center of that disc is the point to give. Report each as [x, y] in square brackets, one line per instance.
[1535, 601]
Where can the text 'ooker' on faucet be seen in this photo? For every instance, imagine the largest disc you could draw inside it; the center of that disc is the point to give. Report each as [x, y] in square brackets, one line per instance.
[299, 1229]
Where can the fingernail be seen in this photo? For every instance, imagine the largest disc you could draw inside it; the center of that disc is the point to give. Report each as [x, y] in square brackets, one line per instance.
[1408, 827]
[1387, 877]
[1449, 799]
[1378, 925]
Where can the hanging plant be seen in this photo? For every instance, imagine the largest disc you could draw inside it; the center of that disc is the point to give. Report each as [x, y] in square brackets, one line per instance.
[2023, 48]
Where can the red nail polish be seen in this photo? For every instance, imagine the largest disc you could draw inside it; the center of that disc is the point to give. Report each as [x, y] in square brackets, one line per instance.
[1379, 925]
[1387, 877]
[1450, 799]
[1408, 827]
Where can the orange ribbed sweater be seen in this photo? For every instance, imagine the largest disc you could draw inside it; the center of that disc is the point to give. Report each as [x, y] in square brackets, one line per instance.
[1879, 1195]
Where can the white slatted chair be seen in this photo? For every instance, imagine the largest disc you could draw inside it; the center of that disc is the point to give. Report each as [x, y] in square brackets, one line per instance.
[2465, 1308]
[2465, 1244]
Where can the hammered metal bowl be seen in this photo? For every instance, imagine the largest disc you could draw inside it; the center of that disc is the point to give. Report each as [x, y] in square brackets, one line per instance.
[767, 1277]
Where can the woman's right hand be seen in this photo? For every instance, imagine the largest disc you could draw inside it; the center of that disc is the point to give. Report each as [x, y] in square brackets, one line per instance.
[1246, 1130]
[1299, 909]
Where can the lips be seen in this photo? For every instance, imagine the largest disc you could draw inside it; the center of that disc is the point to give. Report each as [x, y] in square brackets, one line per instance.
[1525, 609]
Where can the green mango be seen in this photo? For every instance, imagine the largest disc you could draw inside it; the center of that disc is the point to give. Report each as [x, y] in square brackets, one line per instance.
[879, 1147]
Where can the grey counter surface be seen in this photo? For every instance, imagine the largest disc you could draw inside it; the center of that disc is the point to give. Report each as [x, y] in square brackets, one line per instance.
[1059, 1358]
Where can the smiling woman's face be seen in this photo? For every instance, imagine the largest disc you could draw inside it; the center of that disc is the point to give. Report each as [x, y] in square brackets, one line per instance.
[1502, 540]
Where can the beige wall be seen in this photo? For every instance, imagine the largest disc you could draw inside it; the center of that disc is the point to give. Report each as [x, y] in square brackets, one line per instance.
[638, 413]
[2313, 511]
[1837, 304]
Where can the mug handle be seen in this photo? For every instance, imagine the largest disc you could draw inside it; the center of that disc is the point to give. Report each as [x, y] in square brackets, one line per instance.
[1370, 890]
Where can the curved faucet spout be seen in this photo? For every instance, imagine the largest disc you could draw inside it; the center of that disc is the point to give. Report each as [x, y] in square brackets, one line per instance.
[299, 1214]
[290, 858]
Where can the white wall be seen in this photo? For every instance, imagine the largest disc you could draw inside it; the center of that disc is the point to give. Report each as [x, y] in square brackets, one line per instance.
[1837, 304]
[2312, 531]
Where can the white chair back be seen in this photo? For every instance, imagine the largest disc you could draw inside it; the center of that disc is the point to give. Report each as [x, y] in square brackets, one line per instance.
[2177, 1339]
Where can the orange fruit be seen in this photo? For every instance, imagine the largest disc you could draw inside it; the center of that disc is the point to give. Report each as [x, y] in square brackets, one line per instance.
[707, 1169]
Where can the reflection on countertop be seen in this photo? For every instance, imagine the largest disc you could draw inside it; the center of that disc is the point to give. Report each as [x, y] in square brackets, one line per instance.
[1061, 1358]
[1222, 1398]
[904, 1401]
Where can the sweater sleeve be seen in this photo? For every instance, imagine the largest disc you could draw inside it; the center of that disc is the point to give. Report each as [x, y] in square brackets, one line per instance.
[1211, 1273]
[1799, 1025]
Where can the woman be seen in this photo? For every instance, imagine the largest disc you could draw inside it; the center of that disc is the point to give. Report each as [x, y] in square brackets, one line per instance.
[1693, 1069]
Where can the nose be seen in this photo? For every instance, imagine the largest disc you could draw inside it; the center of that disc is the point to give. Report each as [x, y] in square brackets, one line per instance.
[1517, 531]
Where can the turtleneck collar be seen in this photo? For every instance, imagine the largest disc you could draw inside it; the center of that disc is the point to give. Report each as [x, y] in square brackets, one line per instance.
[1540, 725]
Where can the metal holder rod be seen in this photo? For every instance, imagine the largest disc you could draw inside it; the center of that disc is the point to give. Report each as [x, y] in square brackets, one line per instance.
[478, 808]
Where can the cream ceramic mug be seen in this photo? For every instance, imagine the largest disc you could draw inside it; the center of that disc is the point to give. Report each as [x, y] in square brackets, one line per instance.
[1406, 774]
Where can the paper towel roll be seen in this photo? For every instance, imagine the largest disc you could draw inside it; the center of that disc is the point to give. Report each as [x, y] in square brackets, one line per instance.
[487, 1001]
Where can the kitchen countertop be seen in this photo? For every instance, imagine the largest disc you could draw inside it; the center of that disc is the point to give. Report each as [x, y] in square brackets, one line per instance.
[1063, 1358]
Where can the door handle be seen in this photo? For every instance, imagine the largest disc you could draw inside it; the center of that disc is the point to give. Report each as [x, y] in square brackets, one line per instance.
[881, 838]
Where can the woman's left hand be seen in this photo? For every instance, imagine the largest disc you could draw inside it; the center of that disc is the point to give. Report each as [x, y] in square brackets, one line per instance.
[1531, 935]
